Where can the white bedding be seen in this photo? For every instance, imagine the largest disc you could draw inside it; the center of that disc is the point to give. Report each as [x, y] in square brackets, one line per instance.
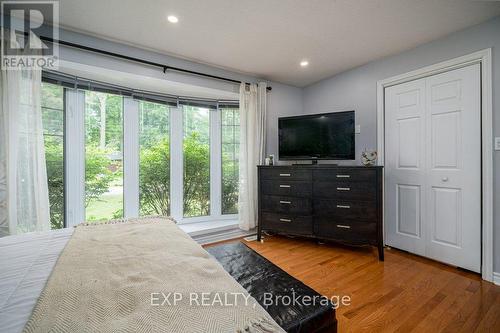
[26, 262]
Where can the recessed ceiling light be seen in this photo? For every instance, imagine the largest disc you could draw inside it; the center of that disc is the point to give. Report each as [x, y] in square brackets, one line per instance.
[304, 63]
[172, 19]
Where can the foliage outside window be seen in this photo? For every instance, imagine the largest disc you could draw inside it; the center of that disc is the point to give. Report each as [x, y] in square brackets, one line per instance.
[103, 156]
[52, 101]
[230, 156]
[154, 163]
[196, 148]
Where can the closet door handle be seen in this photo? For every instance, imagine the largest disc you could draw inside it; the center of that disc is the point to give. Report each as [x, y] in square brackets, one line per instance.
[343, 188]
[285, 220]
[344, 206]
[343, 226]
[285, 202]
[285, 175]
[343, 176]
[285, 186]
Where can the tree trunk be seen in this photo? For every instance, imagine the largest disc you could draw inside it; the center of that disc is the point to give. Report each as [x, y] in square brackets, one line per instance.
[102, 110]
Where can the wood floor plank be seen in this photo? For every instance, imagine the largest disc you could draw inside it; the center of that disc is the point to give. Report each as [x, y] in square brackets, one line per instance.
[456, 295]
[491, 321]
[423, 311]
[483, 301]
[405, 293]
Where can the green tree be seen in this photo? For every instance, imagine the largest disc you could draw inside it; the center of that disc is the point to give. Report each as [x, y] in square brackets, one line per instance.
[196, 176]
[52, 101]
[154, 179]
[230, 185]
[55, 180]
[98, 175]
[108, 124]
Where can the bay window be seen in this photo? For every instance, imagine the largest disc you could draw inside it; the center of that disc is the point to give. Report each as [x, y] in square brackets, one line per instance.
[129, 154]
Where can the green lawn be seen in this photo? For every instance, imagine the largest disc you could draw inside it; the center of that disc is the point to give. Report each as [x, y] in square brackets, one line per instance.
[105, 208]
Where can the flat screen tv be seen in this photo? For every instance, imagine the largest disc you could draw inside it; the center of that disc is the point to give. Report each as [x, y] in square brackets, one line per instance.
[327, 136]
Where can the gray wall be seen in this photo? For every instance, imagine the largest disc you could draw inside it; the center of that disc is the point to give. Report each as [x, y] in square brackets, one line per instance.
[356, 90]
[283, 101]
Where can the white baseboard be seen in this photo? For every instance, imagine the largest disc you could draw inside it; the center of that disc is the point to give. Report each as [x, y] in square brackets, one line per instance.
[496, 278]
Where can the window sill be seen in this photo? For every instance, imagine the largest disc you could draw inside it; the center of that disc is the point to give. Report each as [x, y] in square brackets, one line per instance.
[215, 231]
[201, 228]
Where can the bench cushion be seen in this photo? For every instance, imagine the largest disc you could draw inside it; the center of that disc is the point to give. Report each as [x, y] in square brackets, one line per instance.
[260, 277]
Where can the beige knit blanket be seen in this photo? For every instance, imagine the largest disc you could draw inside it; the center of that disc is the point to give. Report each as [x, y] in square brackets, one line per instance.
[143, 275]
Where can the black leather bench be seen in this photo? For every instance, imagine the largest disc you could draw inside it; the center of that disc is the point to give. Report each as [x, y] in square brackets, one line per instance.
[261, 278]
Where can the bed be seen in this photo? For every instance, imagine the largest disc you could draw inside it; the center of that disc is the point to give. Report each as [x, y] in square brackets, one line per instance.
[103, 277]
[26, 262]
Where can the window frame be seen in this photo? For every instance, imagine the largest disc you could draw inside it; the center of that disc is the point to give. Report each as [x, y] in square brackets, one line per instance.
[131, 157]
[75, 157]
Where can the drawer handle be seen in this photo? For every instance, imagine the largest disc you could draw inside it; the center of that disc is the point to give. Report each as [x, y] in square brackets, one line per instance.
[343, 226]
[343, 176]
[343, 188]
[285, 202]
[285, 220]
[344, 206]
[285, 175]
[285, 186]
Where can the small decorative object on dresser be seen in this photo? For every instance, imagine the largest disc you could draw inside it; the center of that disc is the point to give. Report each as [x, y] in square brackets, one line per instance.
[369, 157]
[327, 202]
[269, 160]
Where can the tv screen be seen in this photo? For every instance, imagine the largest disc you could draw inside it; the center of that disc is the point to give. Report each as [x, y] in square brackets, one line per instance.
[328, 136]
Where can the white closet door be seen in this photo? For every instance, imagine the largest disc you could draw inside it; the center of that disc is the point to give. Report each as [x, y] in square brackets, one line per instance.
[433, 167]
[453, 141]
[405, 166]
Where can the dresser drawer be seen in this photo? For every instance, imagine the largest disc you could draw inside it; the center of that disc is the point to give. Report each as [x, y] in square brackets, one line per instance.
[285, 173]
[297, 188]
[344, 191]
[293, 224]
[360, 210]
[348, 230]
[351, 175]
[286, 205]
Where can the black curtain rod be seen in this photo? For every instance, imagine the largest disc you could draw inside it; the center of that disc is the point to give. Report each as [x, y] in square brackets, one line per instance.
[142, 61]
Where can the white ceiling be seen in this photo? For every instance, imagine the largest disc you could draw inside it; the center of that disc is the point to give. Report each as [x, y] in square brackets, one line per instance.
[268, 38]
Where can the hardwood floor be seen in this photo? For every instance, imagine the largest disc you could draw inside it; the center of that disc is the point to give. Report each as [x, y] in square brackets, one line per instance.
[406, 293]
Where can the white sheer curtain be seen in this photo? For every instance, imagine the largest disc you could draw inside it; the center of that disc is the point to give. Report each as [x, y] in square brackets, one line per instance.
[252, 149]
[24, 200]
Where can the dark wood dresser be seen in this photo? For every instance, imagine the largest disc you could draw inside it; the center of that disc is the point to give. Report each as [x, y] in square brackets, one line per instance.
[327, 202]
